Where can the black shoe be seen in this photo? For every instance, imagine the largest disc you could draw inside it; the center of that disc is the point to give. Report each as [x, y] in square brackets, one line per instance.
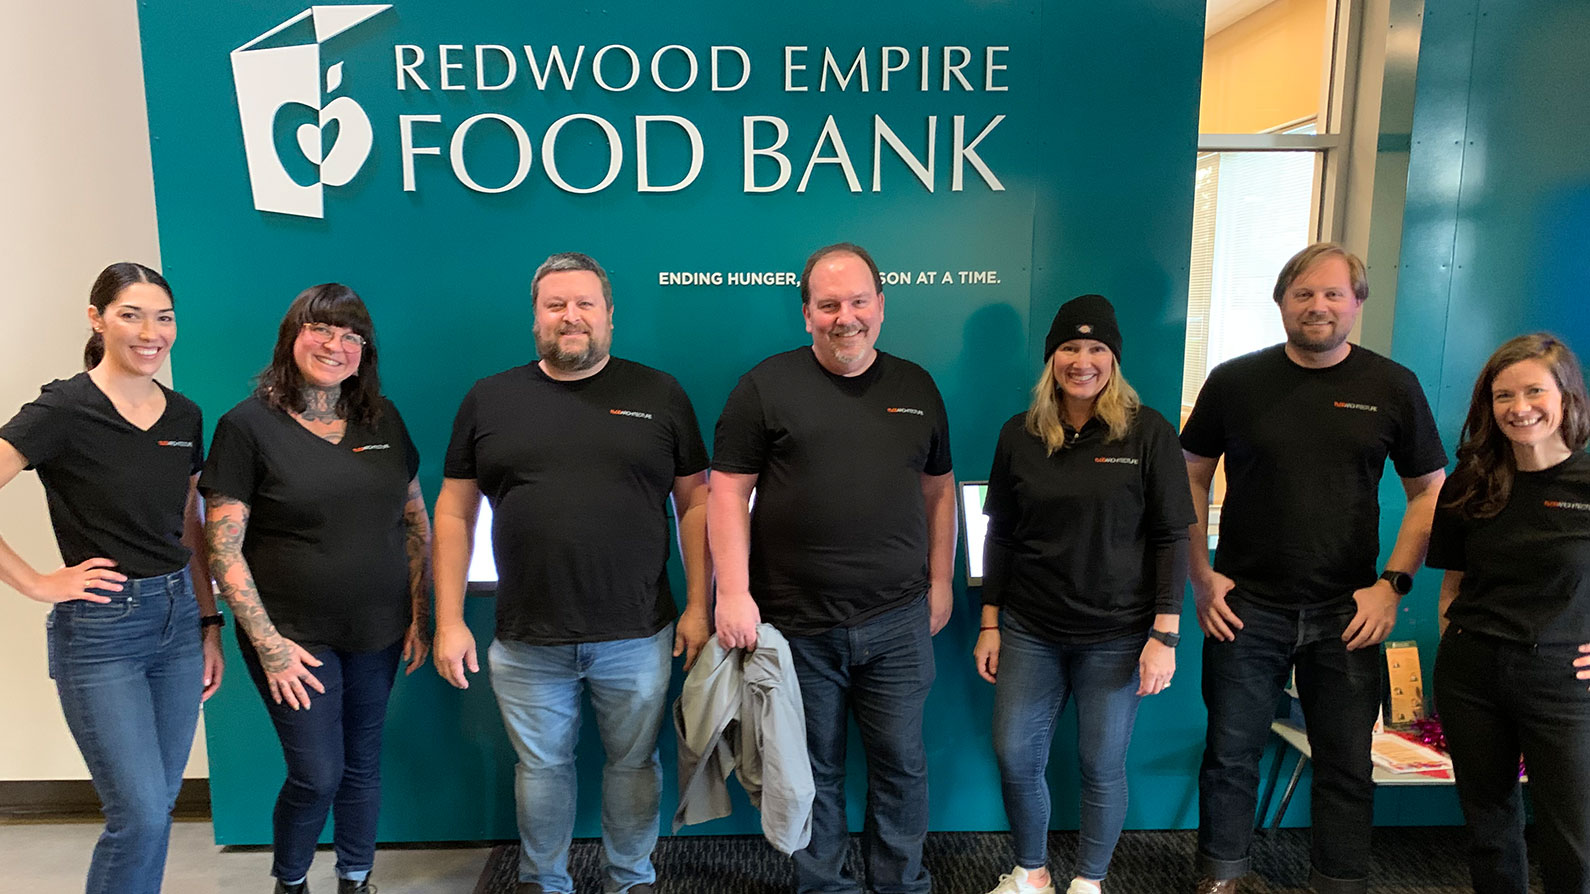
[284, 888]
[349, 886]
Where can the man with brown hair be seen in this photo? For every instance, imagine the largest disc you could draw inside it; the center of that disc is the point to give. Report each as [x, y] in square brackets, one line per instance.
[1306, 427]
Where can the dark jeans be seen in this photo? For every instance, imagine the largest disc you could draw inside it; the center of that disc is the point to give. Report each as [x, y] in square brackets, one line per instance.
[1498, 700]
[1036, 679]
[880, 671]
[1340, 694]
[129, 673]
[333, 754]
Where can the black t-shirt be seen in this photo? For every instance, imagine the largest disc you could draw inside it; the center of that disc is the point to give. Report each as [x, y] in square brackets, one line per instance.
[1071, 536]
[578, 475]
[114, 491]
[1526, 570]
[839, 530]
[325, 525]
[1305, 450]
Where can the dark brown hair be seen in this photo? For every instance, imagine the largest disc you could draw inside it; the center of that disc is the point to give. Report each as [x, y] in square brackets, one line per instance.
[838, 248]
[1483, 479]
[282, 384]
[106, 287]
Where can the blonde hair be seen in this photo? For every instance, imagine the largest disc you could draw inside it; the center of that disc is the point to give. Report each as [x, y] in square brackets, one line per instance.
[1116, 406]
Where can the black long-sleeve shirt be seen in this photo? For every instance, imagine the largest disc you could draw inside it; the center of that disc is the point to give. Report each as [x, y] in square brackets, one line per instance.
[1090, 543]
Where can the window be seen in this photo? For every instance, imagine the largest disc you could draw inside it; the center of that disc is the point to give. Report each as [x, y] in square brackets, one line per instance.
[1269, 171]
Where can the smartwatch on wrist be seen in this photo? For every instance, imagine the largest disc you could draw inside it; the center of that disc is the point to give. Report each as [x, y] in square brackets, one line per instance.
[215, 620]
[1401, 581]
[1166, 637]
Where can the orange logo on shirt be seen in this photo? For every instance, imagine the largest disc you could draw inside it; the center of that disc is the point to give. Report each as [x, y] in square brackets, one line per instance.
[912, 410]
[1348, 405]
[634, 413]
[175, 443]
[1562, 504]
[372, 447]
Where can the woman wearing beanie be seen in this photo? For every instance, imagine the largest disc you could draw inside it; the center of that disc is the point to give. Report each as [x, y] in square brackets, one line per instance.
[1088, 508]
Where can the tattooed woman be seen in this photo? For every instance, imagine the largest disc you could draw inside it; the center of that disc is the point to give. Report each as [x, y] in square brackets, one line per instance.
[118, 454]
[320, 542]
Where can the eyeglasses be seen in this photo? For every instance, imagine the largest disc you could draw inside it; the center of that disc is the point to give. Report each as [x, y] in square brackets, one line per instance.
[350, 341]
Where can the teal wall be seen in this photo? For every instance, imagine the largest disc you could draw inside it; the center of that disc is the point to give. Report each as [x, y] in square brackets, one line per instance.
[1095, 154]
[1495, 229]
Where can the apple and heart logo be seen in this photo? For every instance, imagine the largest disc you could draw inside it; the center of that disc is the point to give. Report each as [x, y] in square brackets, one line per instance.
[287, 122]
[334, 139]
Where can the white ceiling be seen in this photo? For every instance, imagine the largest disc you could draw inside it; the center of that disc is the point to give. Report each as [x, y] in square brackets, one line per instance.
[1224, 13]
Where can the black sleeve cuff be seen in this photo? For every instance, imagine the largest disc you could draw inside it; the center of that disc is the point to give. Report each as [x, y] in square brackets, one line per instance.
[1170, 575]
[996, 570]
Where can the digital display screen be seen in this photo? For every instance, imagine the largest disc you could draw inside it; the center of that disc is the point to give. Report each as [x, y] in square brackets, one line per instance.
[975, 524]
[482, 562]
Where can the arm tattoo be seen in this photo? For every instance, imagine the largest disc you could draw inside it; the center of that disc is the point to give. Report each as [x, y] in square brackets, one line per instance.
[226, 522]
[417, 546]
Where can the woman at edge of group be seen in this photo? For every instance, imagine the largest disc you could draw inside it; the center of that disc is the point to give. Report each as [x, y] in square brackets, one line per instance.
[1512, 530]
[119, 454]
[1088, 507]
[320, 543]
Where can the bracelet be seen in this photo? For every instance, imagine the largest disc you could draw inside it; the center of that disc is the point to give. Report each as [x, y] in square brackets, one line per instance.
[215, 620]
[995, 627]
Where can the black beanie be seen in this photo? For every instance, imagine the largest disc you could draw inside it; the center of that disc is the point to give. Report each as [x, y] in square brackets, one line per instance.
[1086, 316]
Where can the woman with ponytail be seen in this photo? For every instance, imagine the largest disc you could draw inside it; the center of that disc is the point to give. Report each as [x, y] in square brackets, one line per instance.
[133, 640]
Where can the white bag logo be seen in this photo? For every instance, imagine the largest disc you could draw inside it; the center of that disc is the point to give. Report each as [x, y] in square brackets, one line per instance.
[271, 78]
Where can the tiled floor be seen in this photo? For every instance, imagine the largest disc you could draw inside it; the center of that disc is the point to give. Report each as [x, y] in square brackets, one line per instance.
[52, 858]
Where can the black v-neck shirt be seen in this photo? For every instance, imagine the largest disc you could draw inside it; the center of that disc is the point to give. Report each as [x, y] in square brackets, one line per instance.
[114, 491]
[325, 529]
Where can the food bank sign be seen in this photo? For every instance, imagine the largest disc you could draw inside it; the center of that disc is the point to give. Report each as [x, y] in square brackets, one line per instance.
[487, 123]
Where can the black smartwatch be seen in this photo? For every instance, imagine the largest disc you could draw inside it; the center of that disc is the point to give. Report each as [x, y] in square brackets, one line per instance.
[1401, 581]
[215, 620]
[1169, 639]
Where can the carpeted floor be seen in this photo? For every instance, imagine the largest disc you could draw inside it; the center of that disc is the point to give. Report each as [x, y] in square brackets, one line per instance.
[1405, 861]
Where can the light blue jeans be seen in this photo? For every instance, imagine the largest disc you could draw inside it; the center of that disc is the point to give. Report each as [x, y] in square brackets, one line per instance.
[538, 691]
[1036, 679]
[130, 673]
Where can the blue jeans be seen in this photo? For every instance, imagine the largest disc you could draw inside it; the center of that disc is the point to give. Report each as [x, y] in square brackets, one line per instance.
[1036, 679]
[130, 673]
[880, 671]
[333, 755]
[1340, 694]
[538, 691]
[1498, 700]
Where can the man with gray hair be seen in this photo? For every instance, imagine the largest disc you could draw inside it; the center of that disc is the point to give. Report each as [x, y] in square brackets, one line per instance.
[578, 454]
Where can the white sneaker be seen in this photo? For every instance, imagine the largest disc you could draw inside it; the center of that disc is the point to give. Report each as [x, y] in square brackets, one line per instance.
[1015, 882]
[1083, 886]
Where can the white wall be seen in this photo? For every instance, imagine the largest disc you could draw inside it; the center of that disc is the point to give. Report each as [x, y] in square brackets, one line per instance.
[78, 194]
